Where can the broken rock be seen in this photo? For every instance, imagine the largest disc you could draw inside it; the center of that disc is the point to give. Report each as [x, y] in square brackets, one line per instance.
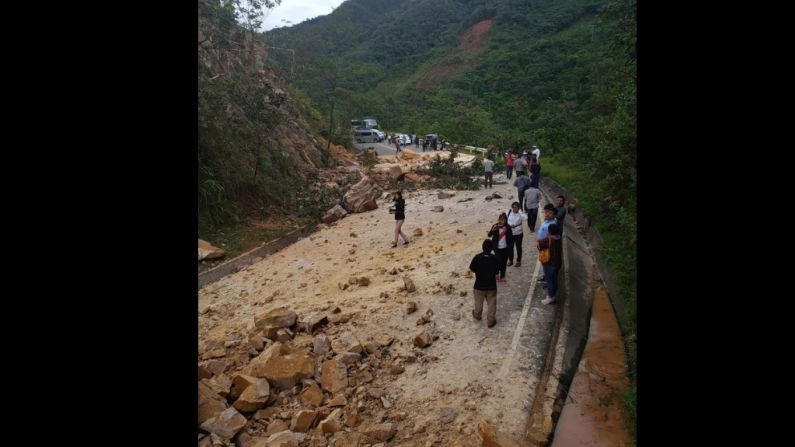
[208, 251]
[312, 395]
[411, 307]
[334, 376]
[303, 420]
[334, 214]
[422, 339]
[409, 284]
[321, 345]
[226, 424]
[277, 318]
[254, 397]
[361, 197]
[284, 371]
[379, 432]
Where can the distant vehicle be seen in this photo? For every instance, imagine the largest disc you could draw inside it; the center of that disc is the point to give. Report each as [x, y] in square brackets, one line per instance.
[404, 139]
[367, 136]
[356, 123]
[370, 123]
[381, 135]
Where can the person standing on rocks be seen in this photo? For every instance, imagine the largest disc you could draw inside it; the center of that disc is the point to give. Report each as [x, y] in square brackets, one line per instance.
[485, 266]
[400, 217]
[501, 234]
[488, 171]
[552, 268]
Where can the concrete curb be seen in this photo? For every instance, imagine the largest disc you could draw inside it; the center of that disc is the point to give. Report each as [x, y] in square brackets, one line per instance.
[248, 258]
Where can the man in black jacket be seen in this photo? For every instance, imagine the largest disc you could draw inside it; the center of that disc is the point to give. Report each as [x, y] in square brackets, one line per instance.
[485, 267]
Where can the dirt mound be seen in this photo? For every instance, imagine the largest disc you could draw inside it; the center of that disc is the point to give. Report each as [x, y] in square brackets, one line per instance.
[471, 43]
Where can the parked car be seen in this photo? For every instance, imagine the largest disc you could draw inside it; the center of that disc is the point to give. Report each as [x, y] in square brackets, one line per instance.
[366, 136]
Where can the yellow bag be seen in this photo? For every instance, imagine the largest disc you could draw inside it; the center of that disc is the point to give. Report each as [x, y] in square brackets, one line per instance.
[543, 255]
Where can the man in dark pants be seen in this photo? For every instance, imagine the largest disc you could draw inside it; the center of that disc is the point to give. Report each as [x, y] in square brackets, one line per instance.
[485, 267]
[560, 207]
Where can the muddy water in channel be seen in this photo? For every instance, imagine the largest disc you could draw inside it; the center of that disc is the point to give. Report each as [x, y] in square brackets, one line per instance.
[593, 414]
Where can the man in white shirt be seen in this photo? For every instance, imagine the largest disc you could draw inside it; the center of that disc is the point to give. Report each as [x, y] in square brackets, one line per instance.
[537, 152]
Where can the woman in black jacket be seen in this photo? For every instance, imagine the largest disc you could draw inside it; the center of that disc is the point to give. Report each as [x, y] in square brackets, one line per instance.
[400, 216]
[501, 236]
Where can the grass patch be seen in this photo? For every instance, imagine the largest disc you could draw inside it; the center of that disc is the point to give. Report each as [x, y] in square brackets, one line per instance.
[237, 239]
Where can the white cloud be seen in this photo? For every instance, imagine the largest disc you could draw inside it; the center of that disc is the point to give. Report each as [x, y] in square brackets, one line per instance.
[296, 11]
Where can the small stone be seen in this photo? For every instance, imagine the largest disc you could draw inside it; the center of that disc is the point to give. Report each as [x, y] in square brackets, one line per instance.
[411, 307]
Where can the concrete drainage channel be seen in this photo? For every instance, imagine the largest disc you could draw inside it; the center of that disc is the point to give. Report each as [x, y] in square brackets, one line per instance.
[570, 327]
[252, 256]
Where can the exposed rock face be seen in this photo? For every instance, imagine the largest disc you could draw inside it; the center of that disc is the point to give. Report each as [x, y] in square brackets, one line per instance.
[361, 197]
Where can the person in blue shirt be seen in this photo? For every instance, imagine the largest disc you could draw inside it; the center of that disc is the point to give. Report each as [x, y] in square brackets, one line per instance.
[549, 218]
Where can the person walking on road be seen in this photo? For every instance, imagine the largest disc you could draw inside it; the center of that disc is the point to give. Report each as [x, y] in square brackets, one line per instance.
[400, 216]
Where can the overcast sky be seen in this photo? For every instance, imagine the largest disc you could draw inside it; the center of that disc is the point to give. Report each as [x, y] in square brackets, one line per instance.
[296, 11]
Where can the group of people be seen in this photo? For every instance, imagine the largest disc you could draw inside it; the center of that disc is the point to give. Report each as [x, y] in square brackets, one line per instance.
[527, 167]
[505, 240]
[507, 235]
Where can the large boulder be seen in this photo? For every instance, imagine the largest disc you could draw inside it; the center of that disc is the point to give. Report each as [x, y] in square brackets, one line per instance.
[361, 197]
[285, 371]
[207, 251]
[395, 173]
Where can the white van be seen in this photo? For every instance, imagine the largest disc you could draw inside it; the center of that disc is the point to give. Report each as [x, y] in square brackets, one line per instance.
[366, 136]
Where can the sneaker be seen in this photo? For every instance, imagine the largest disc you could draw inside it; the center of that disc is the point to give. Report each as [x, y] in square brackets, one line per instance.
[510, 263]
[492, 323]
[406, 243]
[394, 245]
[518, 263]
[475, 316]
[548, 300]
[541, 279]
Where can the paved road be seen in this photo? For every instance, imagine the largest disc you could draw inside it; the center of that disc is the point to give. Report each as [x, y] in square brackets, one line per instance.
[386, 148]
